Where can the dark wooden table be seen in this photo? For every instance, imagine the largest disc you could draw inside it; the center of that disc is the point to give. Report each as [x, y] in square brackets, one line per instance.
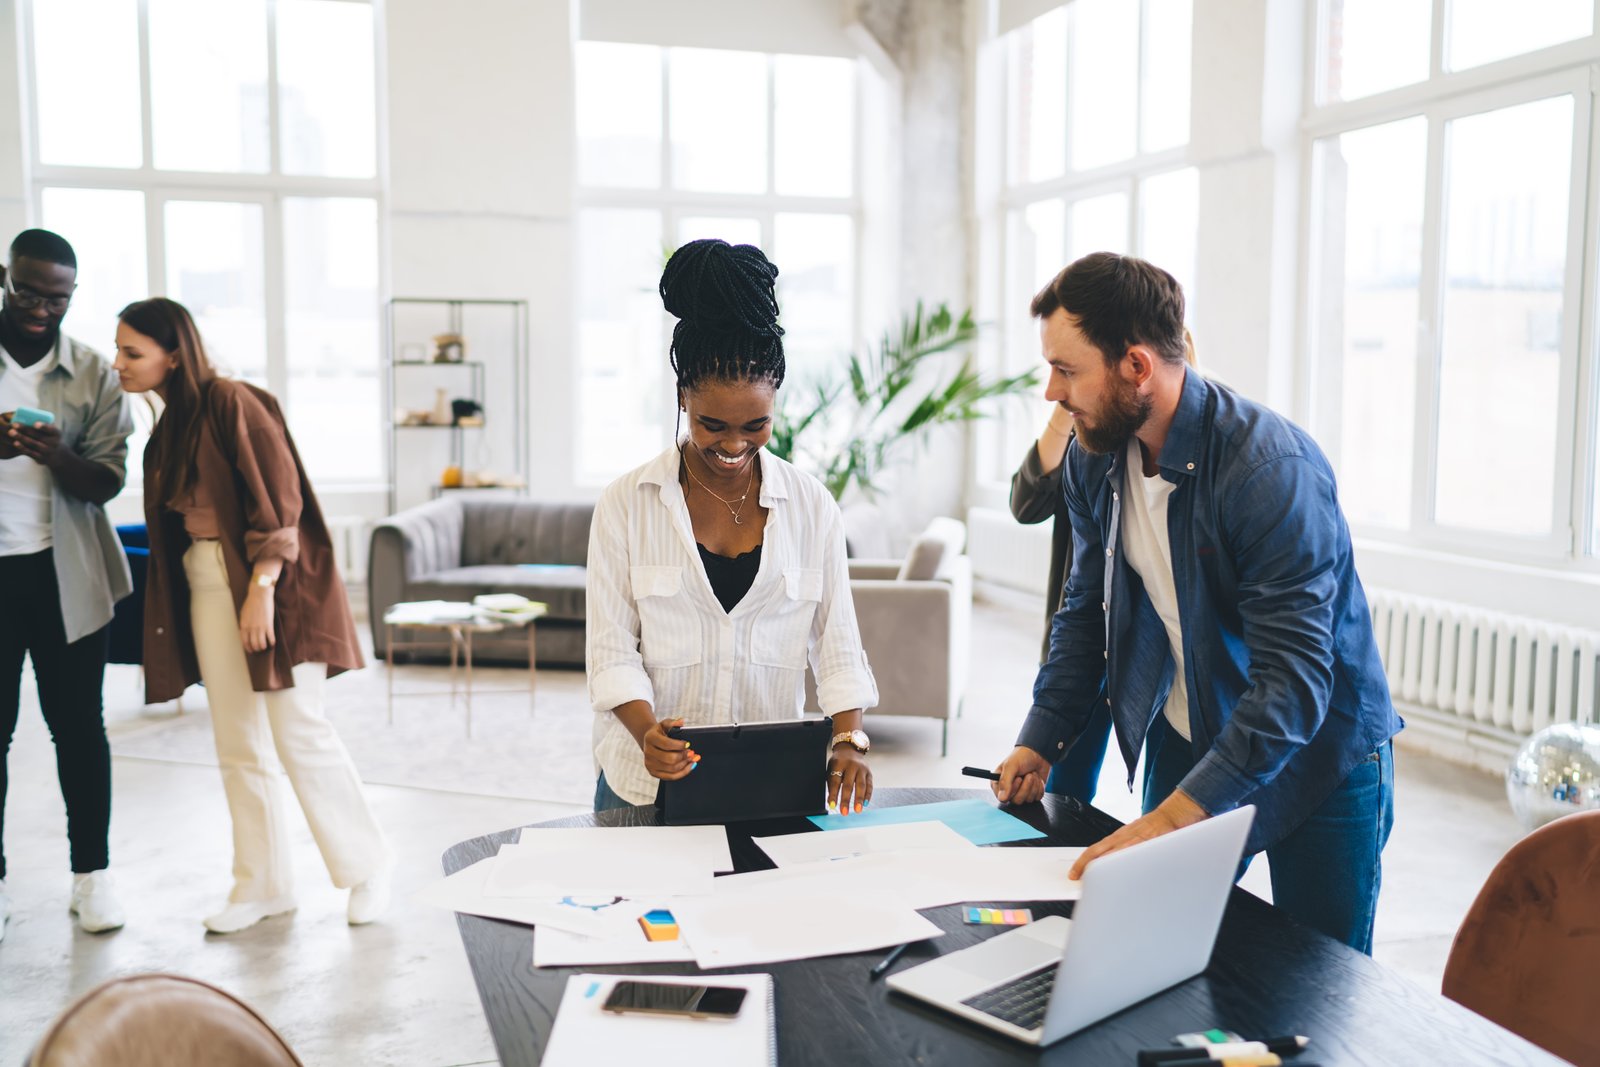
[1268, 976]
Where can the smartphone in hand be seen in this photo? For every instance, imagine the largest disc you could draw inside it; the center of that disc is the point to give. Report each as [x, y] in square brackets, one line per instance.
[26, 416]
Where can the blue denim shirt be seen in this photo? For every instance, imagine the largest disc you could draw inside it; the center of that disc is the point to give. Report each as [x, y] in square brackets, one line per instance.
[1286, 691]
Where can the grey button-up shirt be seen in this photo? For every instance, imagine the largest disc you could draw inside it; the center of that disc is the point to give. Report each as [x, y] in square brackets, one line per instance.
[92, 411]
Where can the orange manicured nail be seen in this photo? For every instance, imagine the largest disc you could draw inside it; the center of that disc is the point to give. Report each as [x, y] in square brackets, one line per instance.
[858, 807]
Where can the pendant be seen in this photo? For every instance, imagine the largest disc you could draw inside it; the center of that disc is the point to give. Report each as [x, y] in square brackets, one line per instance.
[737, 521]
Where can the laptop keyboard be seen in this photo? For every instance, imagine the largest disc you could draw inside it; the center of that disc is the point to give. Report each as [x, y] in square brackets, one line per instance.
[1020, 1002]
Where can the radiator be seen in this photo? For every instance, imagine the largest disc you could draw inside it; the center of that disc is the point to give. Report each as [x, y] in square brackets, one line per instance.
[1480, 681]
[351, 535]
[1008, 553]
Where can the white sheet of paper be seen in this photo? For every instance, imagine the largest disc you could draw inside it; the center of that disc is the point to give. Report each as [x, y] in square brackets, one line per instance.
[595, 872]
[704, 844]
[628, 861]
[920, 878]
[463, 892]
[791, 849]
[740, 930]
[621, 940]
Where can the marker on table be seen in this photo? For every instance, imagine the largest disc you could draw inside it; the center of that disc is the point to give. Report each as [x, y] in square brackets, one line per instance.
[978, 772]
[1243, 1059]
[888, 961]
[1224, 1052]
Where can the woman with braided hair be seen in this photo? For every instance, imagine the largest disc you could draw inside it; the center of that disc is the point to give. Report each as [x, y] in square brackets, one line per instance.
[717, 571]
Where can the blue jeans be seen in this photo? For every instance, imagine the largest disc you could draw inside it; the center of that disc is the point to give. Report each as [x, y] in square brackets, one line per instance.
[1078, 772]
[1327, 872]
[605, 798]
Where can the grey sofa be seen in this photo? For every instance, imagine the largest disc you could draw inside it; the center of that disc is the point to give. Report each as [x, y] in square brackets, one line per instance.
[455, 548]
[916, 627]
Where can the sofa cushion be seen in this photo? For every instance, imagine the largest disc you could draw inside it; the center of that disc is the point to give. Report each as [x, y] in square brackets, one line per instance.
[559, 588]
[510, 531]
[933, 549]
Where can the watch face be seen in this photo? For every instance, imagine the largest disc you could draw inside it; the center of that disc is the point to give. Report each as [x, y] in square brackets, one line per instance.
[859, 739]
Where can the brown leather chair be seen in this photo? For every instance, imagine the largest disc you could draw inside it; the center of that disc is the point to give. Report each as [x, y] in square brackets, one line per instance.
[160, 1020]
[1525, 954]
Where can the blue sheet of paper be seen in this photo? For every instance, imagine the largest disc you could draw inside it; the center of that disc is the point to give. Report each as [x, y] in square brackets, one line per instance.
[976, 820]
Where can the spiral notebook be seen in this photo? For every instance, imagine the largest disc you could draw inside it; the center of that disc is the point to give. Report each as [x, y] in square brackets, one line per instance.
[585, 1035]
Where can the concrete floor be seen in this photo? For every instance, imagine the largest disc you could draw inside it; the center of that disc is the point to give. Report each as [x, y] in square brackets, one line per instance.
[400, 992]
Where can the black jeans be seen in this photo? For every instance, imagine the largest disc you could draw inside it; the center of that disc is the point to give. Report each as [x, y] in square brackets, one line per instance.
[69, 679]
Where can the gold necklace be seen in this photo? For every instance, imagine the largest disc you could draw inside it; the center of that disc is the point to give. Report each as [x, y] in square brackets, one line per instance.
[729, 504]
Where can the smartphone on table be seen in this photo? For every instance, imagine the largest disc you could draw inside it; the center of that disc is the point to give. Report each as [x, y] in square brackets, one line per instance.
[26, 416]
[660, 998]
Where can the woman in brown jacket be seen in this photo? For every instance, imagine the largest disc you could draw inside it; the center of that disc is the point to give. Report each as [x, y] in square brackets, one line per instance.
[243, 594]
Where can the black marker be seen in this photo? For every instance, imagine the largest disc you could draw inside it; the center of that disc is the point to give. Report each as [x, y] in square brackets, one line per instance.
[978, 772]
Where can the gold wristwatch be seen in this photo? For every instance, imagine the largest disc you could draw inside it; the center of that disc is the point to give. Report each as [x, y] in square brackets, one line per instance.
[856, 739]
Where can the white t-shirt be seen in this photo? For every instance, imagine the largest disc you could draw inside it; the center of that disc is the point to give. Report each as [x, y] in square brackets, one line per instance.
[25, 489]
[1148, 548]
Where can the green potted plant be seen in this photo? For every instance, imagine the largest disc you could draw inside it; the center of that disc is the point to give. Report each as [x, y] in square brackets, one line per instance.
[855, 422]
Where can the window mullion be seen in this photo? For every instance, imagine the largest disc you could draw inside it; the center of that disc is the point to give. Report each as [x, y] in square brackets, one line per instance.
[274, 149]
[273, 293]
[1430, 304]
[1441, 10]
[667, 177]
[146, 120]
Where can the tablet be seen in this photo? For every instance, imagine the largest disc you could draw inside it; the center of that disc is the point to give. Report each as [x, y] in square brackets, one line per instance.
[760, 770]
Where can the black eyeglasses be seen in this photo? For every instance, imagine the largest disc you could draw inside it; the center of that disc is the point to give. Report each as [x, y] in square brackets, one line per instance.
[27, 301]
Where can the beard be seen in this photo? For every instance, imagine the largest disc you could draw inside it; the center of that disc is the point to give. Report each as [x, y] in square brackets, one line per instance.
[1120, 416]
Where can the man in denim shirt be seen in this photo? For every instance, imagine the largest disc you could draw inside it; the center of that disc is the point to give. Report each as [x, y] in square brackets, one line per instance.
[1212, 604]
[61, 566]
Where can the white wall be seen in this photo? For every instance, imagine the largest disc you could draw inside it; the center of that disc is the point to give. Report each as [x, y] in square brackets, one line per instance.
[481, 163]
[808, 27]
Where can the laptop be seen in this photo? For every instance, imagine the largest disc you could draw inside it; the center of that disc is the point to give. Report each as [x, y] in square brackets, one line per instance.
[1147, 920]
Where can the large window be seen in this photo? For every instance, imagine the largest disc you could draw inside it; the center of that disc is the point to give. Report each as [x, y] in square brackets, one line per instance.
[1452, 368]
[224, 155]
[682, 143]
[1095, 125]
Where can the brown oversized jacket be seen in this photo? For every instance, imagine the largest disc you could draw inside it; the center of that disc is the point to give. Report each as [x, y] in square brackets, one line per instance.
[250, 469]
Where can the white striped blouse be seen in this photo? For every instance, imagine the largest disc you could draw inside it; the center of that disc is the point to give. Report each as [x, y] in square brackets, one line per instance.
[655, 631]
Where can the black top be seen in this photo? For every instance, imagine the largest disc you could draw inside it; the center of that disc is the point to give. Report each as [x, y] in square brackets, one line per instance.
[730, 578]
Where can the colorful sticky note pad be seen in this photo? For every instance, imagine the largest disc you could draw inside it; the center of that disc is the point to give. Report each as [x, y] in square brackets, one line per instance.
[998, 916]
[659, 925]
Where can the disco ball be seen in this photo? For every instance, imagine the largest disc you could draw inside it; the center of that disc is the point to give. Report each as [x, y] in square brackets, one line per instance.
[1556, 772]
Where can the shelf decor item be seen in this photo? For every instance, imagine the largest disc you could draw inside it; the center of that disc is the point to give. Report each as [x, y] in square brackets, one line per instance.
[450, 411]
[449, 348]
[1556, 772]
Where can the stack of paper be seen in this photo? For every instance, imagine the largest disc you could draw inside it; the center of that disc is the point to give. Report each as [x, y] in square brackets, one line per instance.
[417, 612]
[586, 889]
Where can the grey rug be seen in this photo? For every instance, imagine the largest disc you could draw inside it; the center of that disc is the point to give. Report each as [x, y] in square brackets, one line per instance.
[538, 752]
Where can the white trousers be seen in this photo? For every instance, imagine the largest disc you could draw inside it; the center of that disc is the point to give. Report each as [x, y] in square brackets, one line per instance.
[319, 766]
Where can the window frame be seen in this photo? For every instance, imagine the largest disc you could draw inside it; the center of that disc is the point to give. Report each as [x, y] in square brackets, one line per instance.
[674, 204]
[269, 188]
[1569, 68]
[993, 465]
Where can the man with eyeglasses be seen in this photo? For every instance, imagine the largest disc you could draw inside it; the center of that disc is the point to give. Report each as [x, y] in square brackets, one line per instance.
[62, 568]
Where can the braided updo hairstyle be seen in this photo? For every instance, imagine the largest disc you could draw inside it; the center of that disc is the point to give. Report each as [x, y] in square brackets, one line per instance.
[727, 314]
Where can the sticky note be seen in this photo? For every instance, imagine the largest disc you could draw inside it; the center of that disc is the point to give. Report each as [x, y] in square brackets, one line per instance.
[998, 916]
[659, 925]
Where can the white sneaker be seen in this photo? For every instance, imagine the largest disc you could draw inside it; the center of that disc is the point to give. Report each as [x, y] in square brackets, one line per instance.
[246, 913]
[94, 902]
[370, 899]
[5, 908]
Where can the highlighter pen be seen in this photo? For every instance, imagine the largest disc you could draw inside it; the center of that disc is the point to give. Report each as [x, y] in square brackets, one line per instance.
[1282, 1046]
[1204, 1058]
[1200, 1058]
[978, 772]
